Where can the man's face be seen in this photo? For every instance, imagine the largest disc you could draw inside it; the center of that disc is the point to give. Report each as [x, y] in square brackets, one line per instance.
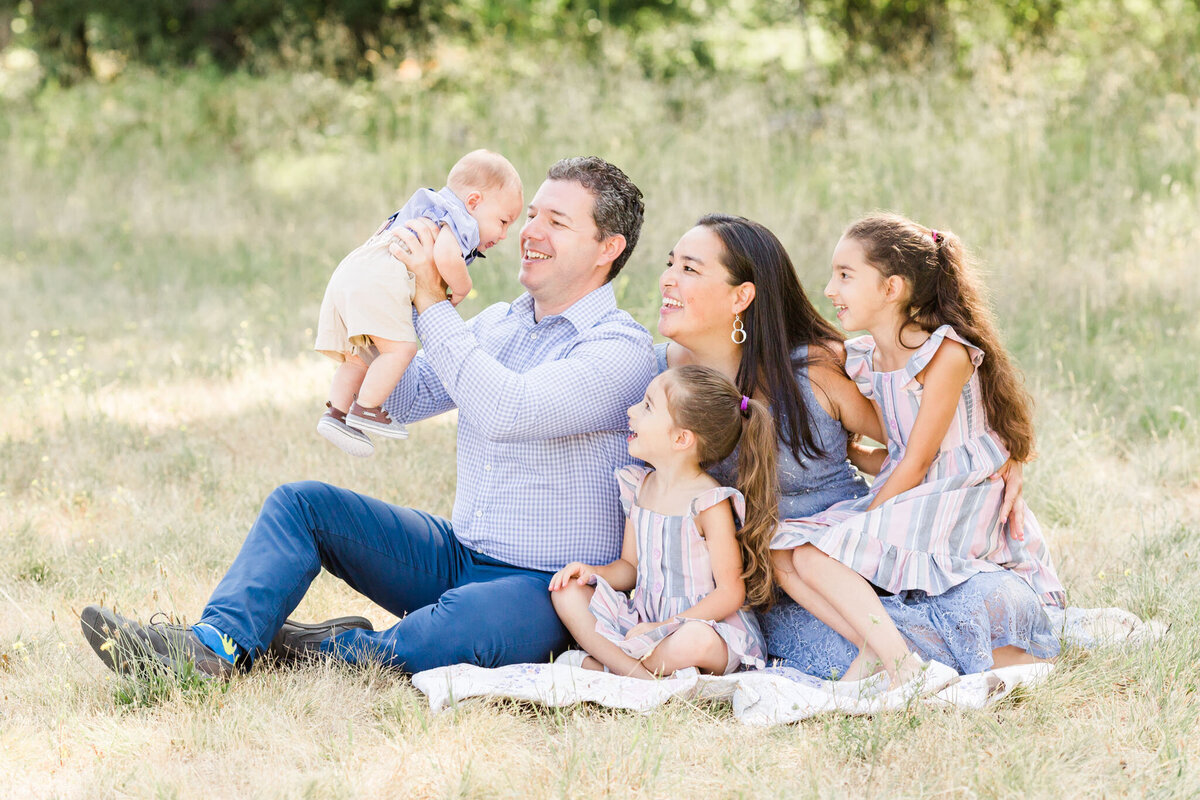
[560, 253]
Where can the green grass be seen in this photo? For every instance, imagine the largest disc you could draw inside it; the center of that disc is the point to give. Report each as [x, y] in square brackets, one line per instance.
[164, 242]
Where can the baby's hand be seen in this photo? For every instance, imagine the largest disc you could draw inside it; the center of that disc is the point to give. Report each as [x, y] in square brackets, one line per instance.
[572, 570]
[642, 627]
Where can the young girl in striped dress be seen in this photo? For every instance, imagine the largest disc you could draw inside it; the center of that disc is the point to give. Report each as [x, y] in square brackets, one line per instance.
[953, 410]
[691, 569]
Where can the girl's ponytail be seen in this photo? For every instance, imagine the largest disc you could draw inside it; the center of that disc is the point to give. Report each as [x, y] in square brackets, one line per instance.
[944, 291]
[758, 455]
[706, 403]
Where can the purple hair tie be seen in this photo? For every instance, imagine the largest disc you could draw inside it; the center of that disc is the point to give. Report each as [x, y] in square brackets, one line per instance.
[745, 403]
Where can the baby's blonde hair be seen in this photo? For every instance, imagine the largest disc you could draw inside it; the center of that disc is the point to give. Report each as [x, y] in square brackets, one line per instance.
[482, 170]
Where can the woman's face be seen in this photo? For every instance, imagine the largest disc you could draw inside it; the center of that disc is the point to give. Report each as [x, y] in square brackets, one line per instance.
[698, 299]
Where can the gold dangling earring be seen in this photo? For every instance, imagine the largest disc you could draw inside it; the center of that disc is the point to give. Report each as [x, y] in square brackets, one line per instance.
[739, 330]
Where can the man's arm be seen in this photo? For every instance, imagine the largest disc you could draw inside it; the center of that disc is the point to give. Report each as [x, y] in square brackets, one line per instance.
[420, 393]
[586, 390]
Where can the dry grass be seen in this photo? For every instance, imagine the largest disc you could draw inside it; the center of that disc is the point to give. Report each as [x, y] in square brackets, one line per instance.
[163, 245]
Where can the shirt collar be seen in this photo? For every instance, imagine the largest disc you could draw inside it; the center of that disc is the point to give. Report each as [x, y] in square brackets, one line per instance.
[451, 197]
[582, 314]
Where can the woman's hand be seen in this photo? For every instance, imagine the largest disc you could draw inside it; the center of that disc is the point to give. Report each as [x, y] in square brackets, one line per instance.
[582, 572]
[1013, 508]
[413, 245]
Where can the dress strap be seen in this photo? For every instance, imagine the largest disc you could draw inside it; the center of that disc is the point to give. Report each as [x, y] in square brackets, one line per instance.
[710, 497]
[859, 352]
[629, 480]
[920, 359]
[660, 355]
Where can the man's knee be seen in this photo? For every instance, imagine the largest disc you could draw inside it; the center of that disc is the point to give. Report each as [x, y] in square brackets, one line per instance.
[294, 496]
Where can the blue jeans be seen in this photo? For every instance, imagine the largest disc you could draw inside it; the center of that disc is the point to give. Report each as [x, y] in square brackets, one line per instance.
[458, 606]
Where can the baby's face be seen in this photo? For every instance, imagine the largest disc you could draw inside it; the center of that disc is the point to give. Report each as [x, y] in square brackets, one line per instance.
[495, 211]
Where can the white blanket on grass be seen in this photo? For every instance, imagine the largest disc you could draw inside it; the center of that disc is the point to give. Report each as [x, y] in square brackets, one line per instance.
[769, 696]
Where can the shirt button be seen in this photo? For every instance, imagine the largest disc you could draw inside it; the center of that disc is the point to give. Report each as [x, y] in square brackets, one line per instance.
[479, 513]
[533, 336]
[487, 467]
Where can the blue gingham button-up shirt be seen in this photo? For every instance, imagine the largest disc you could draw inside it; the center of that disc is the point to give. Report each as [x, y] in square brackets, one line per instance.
[541, 422]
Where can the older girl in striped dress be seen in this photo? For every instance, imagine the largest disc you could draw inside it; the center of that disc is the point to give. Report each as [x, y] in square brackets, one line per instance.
[691, 569]
[953, 411]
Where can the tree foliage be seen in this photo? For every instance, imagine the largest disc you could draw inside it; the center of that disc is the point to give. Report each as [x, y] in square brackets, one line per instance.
[352, 35]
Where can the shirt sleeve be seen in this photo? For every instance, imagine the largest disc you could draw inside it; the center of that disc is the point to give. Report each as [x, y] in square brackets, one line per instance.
[420, 393]
[587, 389]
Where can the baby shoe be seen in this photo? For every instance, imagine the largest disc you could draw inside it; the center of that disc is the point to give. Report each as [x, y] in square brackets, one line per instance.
[375, 420]
[333, 427]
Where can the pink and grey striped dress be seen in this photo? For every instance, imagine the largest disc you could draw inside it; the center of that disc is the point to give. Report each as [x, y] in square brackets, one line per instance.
[946, 529]
[674, 573]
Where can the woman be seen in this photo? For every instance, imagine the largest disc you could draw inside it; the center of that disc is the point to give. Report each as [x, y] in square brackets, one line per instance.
[731, 301]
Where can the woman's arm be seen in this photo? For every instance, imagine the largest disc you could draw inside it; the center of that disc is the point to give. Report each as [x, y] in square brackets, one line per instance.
[866, 459]
[842, 400]
[947, 374]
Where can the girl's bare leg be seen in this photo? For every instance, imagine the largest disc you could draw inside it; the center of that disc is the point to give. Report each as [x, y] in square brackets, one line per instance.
[695, 644]
[571, 603]
[866, 662]
[385, 371]
[346, 380]
[1011, 656]
[854, 599]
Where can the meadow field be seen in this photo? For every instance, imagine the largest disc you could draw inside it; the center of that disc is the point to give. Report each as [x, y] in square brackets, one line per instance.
[164, 243]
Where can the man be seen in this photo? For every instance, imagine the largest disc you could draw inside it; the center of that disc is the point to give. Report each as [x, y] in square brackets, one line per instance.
[541, 386]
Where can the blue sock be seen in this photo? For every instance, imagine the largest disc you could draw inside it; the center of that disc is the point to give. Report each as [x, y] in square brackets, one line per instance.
[218, 642]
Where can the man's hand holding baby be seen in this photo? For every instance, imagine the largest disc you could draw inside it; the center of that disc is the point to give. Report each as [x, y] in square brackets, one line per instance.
[414, 245]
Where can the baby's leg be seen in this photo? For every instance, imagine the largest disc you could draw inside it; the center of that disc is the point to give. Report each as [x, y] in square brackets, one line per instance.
[346, 380]
[385, 371]
[854, 599]
[571, 603]
[695, 644]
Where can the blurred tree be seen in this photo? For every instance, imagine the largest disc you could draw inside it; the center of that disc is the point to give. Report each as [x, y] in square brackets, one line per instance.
[234, 33]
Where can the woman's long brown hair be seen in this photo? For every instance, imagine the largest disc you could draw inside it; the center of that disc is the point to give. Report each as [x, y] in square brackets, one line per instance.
[780, 319]
[706, 403]
[943, 291]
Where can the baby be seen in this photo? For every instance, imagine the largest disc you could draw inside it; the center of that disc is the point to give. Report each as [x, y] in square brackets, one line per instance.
[366, 316]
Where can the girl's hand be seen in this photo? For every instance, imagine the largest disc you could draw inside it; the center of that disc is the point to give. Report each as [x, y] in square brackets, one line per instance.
[642, 627]
[572, 570]
[1013, 509]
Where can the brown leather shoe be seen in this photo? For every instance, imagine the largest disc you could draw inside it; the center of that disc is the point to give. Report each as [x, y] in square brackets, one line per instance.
[127, 646]
[298, 640]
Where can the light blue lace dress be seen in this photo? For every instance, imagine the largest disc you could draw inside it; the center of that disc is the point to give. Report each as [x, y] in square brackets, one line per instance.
[960, 627]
